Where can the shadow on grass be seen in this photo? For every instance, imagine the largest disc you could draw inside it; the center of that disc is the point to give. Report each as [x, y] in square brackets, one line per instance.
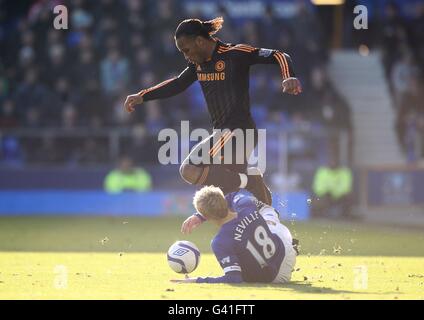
[300, 287]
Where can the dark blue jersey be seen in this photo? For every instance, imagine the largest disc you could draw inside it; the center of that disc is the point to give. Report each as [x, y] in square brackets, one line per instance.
[245, 247]
[224, 79]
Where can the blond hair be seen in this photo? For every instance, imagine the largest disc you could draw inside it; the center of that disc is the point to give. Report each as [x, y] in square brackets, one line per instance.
[210, 202]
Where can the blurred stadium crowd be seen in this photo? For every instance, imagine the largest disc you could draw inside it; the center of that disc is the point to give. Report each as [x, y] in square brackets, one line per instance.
[403, 58]
[76, 80]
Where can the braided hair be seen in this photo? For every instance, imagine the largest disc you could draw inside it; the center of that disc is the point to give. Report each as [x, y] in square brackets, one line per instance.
[196, 27]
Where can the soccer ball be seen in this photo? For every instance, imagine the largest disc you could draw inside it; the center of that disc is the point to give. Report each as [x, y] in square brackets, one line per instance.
[183, 257]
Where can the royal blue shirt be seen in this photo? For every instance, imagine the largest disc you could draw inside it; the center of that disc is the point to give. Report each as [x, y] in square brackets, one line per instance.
[245, 247]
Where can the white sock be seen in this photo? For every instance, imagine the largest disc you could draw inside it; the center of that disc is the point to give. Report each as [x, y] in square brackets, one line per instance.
[243, 180]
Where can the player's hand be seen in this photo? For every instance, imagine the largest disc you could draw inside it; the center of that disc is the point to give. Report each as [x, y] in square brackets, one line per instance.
[131, 101]
[292, 86]
[190, 223]
[186, 280]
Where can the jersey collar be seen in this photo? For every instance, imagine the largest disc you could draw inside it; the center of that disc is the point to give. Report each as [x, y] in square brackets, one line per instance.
[218, 44]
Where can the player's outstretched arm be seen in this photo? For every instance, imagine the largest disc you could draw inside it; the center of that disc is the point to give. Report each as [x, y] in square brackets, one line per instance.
[230, 277]
[165, 89]
[290, 83]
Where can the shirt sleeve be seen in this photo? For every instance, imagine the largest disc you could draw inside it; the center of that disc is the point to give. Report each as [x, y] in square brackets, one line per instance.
[229, 198]
[171, 87]
[228, 261]
[244, 204]
[268, 56]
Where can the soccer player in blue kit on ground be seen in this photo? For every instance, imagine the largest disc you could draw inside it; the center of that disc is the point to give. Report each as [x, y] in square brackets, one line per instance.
[252, 245]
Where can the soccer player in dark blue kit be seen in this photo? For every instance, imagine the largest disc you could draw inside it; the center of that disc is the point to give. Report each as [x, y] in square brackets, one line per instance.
[252, 245]
[222, 70]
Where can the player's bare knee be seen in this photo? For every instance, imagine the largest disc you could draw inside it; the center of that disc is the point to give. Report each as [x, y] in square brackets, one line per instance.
[190, 173]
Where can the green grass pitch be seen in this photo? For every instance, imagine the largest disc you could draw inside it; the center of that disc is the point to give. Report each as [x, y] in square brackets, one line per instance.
[125, 258]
